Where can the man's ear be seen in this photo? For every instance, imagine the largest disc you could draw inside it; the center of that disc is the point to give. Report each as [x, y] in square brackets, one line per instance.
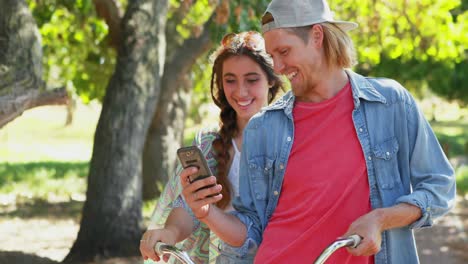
[316, 35]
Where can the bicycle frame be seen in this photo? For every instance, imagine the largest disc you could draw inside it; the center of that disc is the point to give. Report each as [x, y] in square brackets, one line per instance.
[351, 241]
[162, 248]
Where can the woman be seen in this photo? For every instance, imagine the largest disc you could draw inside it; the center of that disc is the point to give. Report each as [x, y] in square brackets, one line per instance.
[242, 82]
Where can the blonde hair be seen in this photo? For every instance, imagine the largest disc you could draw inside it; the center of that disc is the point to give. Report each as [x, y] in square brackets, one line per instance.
[338, 46]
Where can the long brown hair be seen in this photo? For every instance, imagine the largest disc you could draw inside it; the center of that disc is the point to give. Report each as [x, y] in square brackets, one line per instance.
[242, 46]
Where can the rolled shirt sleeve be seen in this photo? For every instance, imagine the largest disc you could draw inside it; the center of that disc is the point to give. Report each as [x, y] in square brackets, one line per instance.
[432, 177]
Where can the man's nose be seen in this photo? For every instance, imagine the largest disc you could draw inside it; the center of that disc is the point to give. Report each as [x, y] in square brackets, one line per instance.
[278, 66]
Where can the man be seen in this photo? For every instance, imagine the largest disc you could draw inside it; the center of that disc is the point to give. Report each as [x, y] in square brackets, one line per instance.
[339, 155]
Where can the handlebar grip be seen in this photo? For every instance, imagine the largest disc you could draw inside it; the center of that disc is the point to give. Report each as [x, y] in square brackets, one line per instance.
[158, 248]
[351, 241]
[162, 248]
[356, 240]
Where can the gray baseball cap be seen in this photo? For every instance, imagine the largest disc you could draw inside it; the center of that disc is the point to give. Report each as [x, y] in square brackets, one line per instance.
[298, 13]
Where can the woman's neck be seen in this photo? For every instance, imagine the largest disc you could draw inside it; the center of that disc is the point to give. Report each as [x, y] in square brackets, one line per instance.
[241, 124]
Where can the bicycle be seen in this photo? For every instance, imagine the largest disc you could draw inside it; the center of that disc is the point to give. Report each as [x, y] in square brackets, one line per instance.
[161, 248]
[351, 241]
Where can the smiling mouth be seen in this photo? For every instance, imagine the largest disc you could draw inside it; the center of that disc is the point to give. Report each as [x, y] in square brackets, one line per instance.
[245, 103]
[291, 75]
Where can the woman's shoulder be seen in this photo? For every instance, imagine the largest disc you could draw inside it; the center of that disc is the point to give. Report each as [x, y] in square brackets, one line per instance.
[206, 135]
[204, 140]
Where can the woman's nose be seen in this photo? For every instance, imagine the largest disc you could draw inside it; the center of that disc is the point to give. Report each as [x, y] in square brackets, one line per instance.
[242, 89]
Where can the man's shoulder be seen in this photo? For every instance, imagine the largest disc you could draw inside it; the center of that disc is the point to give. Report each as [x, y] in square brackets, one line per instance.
[389, 89]
[275, 110]
[281, 103]
[384, 83]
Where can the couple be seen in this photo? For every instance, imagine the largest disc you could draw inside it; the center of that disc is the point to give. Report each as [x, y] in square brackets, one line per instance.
[341, 154]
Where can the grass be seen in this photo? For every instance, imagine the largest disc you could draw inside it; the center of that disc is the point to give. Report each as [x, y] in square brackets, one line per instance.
[453, 136]
[44, 180]
[43, 161]
[40, 134]
[462, 180]
[41, 158]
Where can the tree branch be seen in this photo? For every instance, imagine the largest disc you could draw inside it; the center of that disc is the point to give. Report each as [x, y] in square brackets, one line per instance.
[191, 49]
[183, 60]
[58, 96]
[13, 105]
[110, 11]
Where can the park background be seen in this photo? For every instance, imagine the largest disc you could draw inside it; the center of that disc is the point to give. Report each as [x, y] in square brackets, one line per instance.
[96, 96]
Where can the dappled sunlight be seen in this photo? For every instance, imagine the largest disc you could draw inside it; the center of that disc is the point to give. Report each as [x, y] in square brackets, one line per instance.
[40, 134]
[41, 232]
[34, 151]
[48, 230]
[446, 242]
[438, 109]
[449, 120]
[49, 238]
[448, 112]
[82, 47]
[50, 181]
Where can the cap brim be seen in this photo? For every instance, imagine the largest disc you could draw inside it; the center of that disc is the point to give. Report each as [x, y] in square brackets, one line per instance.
[345, 25]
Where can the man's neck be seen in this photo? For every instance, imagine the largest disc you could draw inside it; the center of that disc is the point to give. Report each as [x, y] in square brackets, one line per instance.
[332, 83]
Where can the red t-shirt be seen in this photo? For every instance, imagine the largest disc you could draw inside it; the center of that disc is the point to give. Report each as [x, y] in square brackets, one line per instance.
[325, 186]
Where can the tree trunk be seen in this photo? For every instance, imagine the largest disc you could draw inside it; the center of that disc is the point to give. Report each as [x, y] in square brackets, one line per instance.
[21, 85]
[167, 127]
[111, 222]
[164, 137]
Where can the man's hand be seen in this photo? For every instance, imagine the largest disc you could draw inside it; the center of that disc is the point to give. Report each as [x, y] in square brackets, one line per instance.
[369, 228]
[371, 225]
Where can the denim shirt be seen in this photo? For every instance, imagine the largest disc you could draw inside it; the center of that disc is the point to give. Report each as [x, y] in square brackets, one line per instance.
[405, 164]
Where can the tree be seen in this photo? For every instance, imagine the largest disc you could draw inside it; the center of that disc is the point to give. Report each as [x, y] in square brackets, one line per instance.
[166, 130]
[144, 106]
[204, 24]
[419, 43]
[112, 221]
[21, 84]
[396, 40]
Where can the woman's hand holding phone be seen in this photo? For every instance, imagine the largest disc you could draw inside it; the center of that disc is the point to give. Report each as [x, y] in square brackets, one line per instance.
[199, 194]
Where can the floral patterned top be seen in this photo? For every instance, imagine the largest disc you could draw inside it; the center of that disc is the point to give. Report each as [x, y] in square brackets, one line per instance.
[201, 245]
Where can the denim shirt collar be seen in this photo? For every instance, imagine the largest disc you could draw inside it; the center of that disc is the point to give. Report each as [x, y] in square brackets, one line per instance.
[361, 88]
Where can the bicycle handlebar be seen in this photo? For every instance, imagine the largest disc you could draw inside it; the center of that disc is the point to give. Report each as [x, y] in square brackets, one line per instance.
[162, 248]
[351, 241]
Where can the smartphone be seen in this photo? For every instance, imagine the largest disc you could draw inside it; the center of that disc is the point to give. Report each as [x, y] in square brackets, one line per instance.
[192, 156]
